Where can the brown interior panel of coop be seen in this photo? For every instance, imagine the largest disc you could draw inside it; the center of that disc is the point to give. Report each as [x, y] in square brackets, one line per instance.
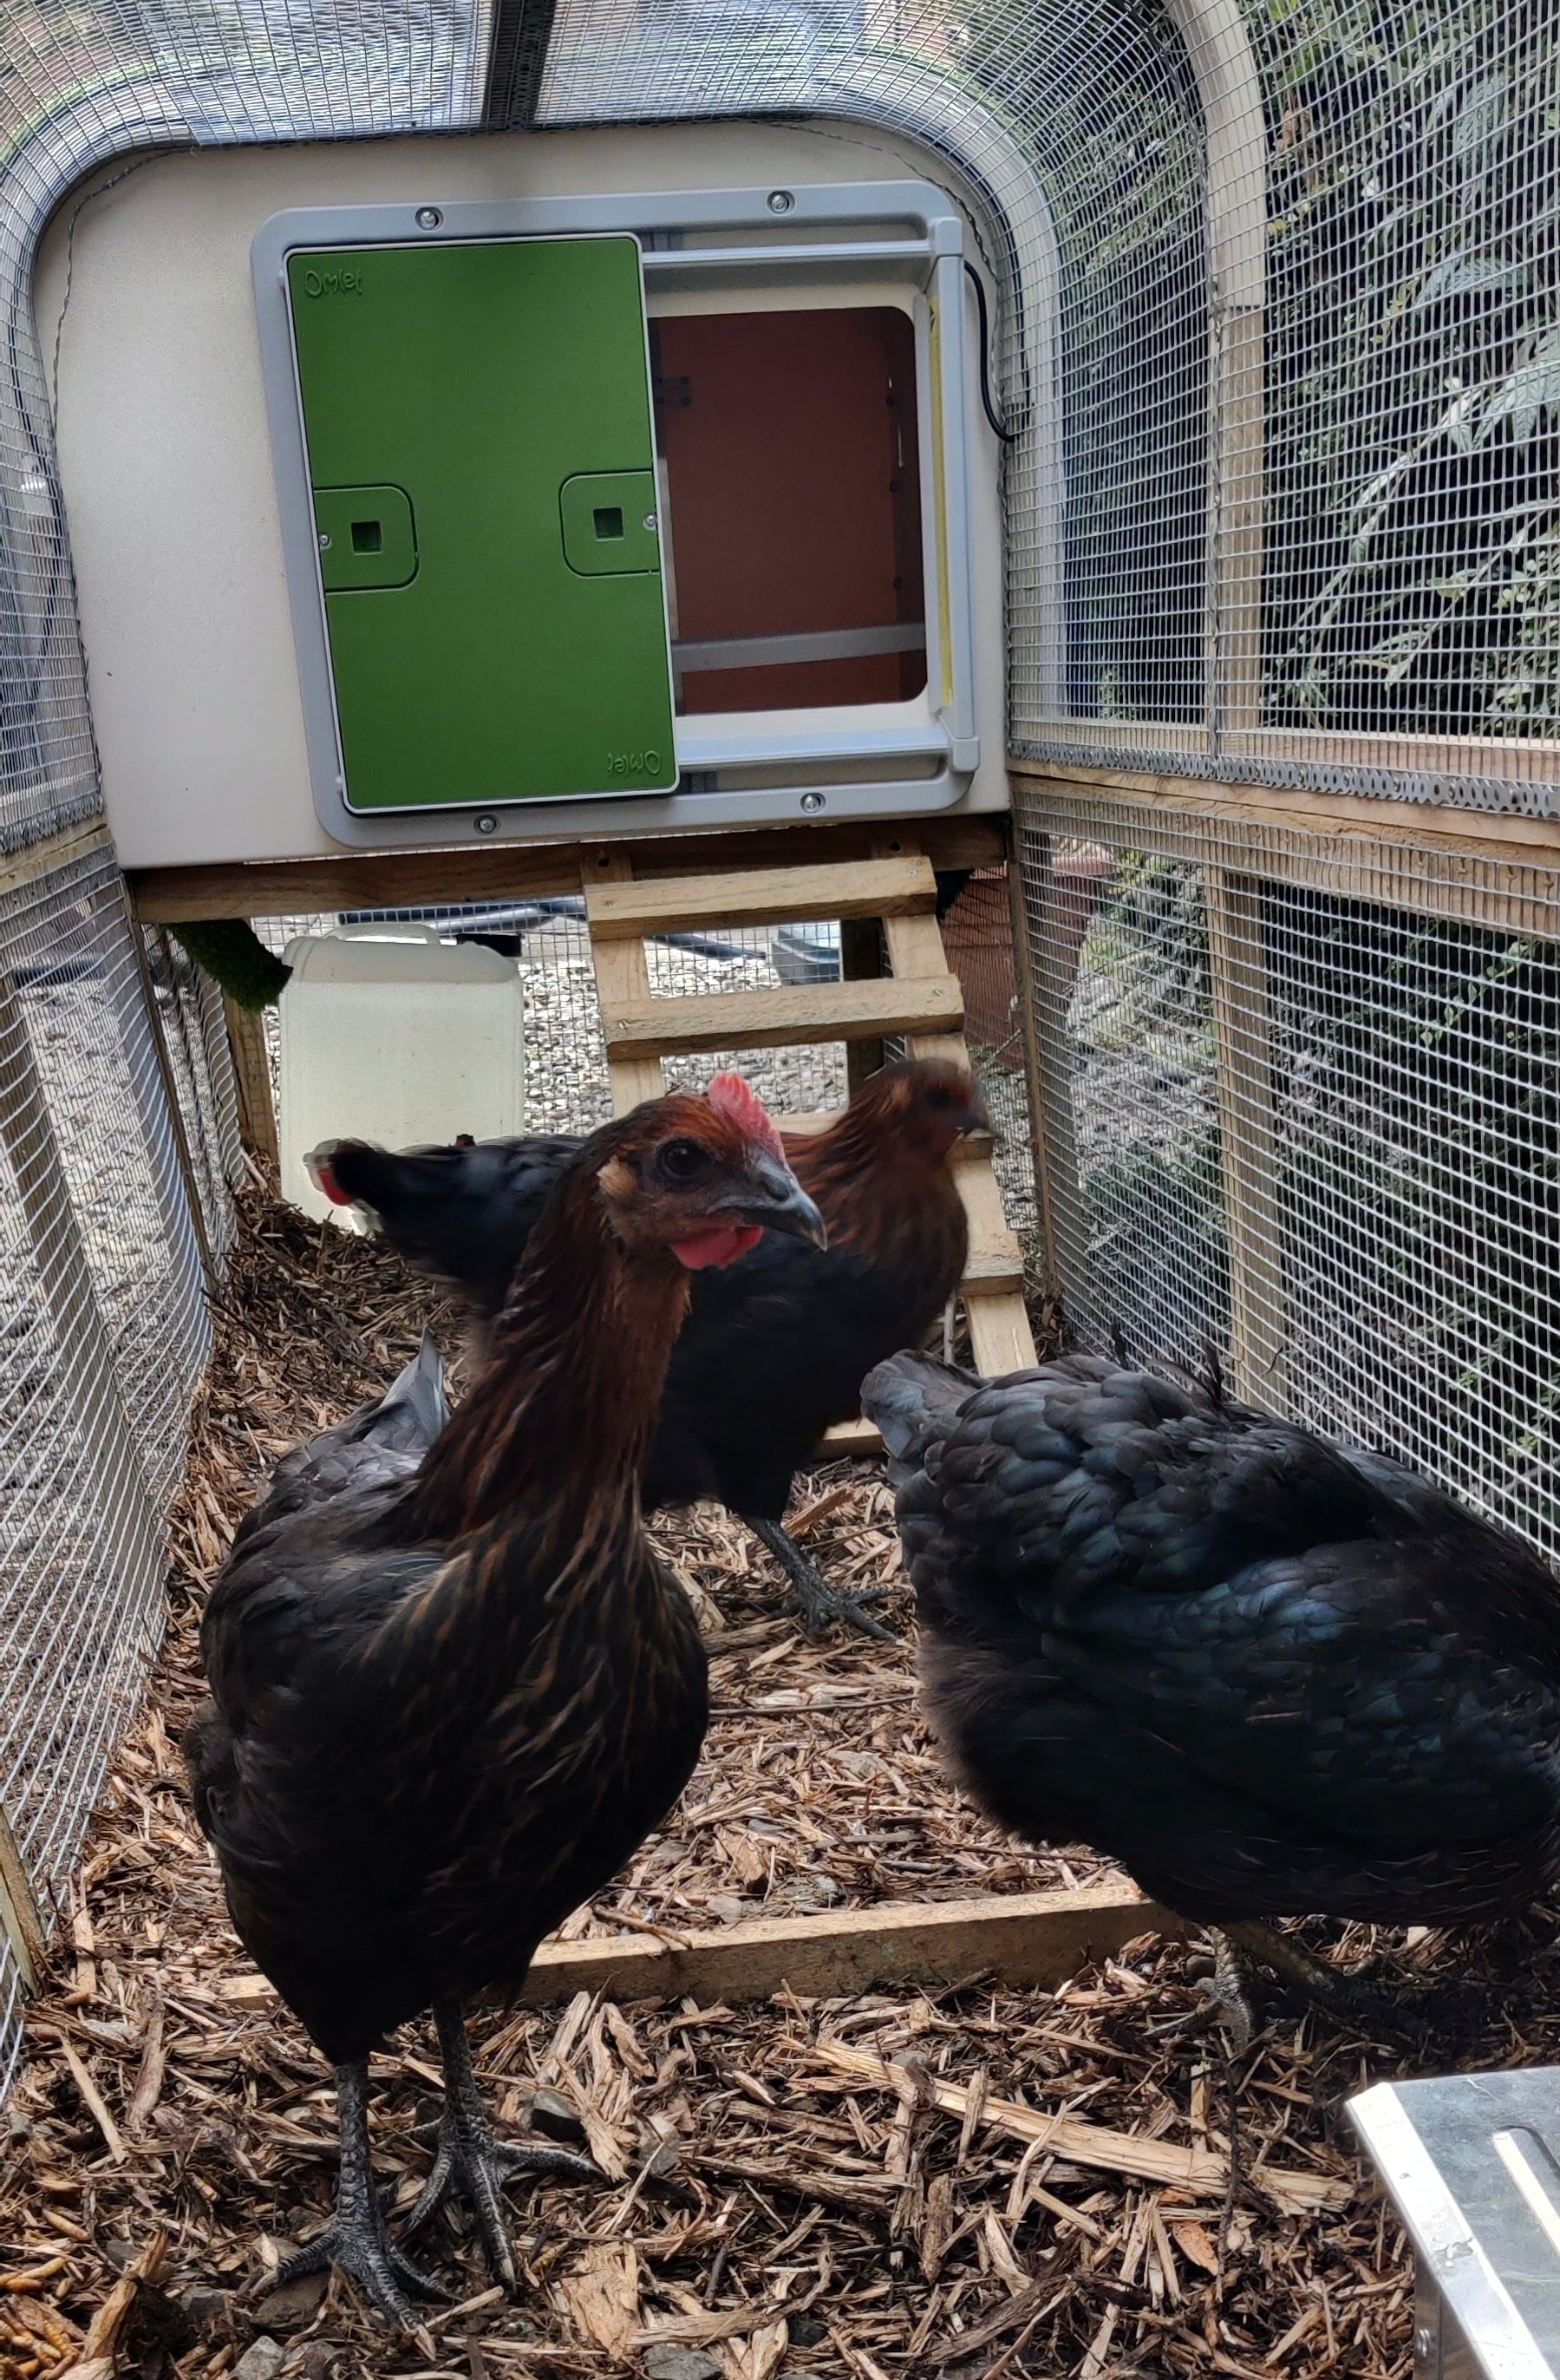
[795, 497]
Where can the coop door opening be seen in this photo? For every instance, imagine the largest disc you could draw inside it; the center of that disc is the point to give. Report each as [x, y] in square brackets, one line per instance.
[790, 449]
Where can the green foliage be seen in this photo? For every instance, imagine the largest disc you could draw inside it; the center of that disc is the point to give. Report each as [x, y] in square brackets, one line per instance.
[232, 953]
[1413, 378]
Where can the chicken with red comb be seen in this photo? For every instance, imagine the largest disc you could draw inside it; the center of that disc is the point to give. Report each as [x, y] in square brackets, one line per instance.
[452, 1688]
[776, 1344]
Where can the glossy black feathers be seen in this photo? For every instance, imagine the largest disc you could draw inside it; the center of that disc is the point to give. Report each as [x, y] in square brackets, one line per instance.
[1270, 1675]
[425, 1747]
[775, 1346]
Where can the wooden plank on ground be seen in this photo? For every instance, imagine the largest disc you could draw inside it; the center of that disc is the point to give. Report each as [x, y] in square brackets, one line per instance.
[762, 896]
[768, 1020]
[1025, 1939]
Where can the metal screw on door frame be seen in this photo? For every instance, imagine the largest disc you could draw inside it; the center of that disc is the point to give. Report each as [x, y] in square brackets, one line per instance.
[780, 203]
[325, 539]
[650, 522]
[486, 824]
[812, 802]
[429, 218]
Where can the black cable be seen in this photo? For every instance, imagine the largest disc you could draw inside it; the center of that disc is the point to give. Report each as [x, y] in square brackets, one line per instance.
[1007, 436]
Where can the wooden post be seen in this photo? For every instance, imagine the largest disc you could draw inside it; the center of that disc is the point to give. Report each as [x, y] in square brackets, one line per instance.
[1000, 1338]
[1229, 89]
[622, 975]
[1043, 933]
[1248, 1139]
[172, 1217]
[251, 1078]
[1039, 1135]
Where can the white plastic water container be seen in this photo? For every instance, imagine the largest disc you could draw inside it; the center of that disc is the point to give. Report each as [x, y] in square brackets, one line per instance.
[392, 1034]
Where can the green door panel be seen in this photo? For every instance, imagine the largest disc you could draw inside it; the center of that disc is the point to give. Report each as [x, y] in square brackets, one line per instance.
[610, 522]
[366, 537]
[500, 390]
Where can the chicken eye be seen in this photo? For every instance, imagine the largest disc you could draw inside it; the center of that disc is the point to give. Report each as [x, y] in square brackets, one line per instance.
[684, 1161]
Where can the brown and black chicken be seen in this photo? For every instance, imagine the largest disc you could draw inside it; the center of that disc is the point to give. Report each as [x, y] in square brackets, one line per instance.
[1272, 1676]
[451, 1687]
[776, 1346]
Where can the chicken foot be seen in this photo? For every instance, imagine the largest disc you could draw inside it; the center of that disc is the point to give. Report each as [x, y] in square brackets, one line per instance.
[818, 1602]
[472, 2163]
[1228, 1998]
[1341, 1997]
[355, 2238]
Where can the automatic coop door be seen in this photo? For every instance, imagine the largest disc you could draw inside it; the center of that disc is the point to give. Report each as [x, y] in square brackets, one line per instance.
[481, 460]
[521, 581]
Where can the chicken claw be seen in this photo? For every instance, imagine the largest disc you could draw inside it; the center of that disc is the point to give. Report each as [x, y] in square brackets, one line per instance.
[471, 2162]
[1228, 1997]
[355, 2239]
[818, 1602]
[1343, 1997]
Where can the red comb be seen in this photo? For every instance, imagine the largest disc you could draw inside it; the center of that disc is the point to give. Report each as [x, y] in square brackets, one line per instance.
[735, 1098]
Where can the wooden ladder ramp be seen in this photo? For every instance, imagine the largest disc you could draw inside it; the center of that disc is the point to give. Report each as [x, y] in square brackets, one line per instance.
[919, 998]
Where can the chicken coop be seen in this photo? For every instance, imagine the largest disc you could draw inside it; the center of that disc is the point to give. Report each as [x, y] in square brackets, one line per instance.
[1104, 454]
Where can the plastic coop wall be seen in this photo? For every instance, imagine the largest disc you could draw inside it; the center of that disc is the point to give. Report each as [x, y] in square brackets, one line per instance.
[1280, 355]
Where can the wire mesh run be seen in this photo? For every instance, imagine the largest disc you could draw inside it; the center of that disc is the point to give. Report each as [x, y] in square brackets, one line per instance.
[1302, 1105]
[104, 1333]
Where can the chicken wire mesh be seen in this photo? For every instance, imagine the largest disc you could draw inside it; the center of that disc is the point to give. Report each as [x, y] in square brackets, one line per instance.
[103, 1332]
[1302, 1106]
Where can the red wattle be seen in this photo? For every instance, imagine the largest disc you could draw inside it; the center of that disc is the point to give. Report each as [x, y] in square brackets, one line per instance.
[720, 1246]
[330, 1186]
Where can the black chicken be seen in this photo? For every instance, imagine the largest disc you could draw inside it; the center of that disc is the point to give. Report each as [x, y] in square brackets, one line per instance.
[1271, 1676]
[775, 1346]
[450, 1696]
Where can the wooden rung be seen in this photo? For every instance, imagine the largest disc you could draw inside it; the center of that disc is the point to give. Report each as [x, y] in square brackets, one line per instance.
[768, 1020]
[1000, 1338]
[858, 1437]
[762, 896]
[987, 1274]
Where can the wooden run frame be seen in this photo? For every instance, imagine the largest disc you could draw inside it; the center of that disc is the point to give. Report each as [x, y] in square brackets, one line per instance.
[1438, 862]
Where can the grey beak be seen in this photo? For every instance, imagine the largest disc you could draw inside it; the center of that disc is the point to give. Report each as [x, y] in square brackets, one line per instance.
[773, 1197]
